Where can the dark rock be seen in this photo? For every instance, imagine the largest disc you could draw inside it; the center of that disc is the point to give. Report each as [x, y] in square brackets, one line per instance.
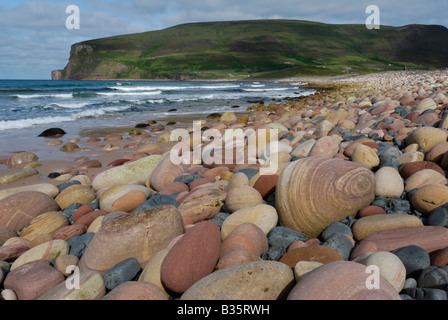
[123, 271]
[284, 236]
[219, 218]
[188, 178]
[248, 172]
[79, 244]
[53, 175]
[333, 228]
[433, 277]
[67, 184]
[70, 211]
[53, 133]
[172, 110]
[141, 125]
[425, 293]
[414, 258]
[274, 253]
[340, 243]
[438, 217]
[158, 200]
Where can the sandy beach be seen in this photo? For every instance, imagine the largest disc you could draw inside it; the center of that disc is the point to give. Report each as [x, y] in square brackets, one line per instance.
[360, 180]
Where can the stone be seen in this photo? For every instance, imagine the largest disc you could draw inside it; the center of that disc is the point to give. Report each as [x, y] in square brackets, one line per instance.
[426, 104]
[284, 236]
[6, 233]
[433, 277]
[317, 253]
[91, 287]
[165, 172]
[366, 156]
[324, 147]
[49, 250]
[46, 188]
[48, 222]
[70, 147]
[335, 227]
[65, 264]
[192, 257]
[341, 280]
[265, 184]
[370, 211]
[257, 280]
[388, 183]
[133, 290]
[75, 194]
[157, 200]
[175, 187]
[123, 271]
[12, 251]
[19, 209]
[248, 236]
[124, 197]
[27, 280]
[430, 238]
[262, 215]
[241, 197]
[438, 217]
[52, 133]
[425, 293]
[235, 257]
[414, 259]
[228, 117]
[427, 137]
[151, 272]
[237, 180]
[202, 203]
[410, 168]
[366, 226]
[439, 257]
[336, 188]
[16, 175]
[88, 219]
[436, 153]
[78, 244]
[303, 267]
[303, 150]
[139, 170]
[139, 234]
[429, 198]
[389, 265]
[341, 243]
[21, 159]
[424, 177]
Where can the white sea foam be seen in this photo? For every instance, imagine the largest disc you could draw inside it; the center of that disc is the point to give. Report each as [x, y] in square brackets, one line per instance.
[46, 95]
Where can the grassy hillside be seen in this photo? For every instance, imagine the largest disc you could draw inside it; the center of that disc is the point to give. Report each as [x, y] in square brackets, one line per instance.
[259, 48]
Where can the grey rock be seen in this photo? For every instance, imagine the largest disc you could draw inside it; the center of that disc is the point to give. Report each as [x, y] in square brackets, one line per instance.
[79, 244]
[340, 243]
[284, 236]
[425, 293]
[334, 228]
[414, 258]
[123, 271]
[433, 277]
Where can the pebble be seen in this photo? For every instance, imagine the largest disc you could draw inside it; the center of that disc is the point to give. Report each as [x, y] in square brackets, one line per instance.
[91, 287]
[75, 194]
[257, 280]
[430, 238]
[430, 197]
[366, 226]
[19, 209]
[49, 250]
[349, 284]
[26, 280]
[46, 223]
[133, 290]
[388, 183]
[426, 137]
[139, 234]
[365, 156]
[284, 236]
[122, 272]
[389, 265]
[262, 215]
[124, 197]
[319, 253]
[151, 271]
[241, 197]
[424, 177]
[192, 257]
[433, 277]
[414, 259]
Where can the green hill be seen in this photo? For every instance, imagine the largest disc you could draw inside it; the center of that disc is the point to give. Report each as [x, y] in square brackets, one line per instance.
[258, 48]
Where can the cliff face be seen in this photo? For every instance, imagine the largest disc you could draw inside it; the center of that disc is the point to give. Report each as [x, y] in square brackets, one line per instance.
[257, 48]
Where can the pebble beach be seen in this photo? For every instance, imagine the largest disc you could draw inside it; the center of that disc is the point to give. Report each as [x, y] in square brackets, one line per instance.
[357, 208]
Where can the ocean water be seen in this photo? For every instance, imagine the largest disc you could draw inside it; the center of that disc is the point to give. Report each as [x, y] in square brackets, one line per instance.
[27, 107]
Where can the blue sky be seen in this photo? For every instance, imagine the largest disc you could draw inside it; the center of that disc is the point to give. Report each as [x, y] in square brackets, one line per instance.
[34, 39]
